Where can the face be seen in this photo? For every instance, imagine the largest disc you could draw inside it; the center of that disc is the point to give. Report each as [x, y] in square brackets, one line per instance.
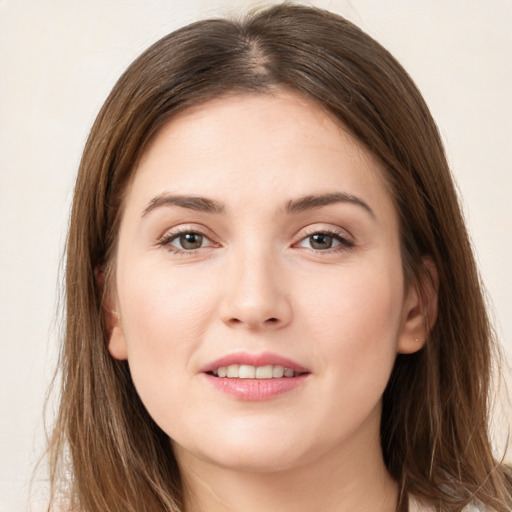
[259, 293]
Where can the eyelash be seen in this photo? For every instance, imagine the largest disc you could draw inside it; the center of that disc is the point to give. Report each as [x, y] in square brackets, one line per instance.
[344, 242]
[168, 238]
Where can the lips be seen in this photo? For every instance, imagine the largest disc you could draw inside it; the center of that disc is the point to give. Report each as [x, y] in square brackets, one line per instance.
[255, 377]
[265, 359]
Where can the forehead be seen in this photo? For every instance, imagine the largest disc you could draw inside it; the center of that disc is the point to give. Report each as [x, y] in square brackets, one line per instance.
[236, 146]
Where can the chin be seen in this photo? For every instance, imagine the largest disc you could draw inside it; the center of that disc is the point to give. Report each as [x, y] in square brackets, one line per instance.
[252, 449]
[257, 459]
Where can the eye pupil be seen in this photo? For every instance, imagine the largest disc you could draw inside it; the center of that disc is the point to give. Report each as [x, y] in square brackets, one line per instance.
[321, 241]
[191, 241]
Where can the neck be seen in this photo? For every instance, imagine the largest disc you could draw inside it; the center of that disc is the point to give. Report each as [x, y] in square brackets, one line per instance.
[348, 478]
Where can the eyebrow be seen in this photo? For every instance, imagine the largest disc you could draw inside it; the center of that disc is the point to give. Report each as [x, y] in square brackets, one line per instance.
[203, 204]
[200, 204]
[318, 201]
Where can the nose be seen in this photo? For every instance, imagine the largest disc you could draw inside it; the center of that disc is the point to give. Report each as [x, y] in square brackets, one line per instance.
[256, 295]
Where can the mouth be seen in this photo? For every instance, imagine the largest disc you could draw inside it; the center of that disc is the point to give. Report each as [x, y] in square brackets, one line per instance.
[255, 377]
[247, 371]
[244, 365]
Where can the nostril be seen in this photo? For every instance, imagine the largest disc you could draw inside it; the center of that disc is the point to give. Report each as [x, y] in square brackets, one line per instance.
[255, 320]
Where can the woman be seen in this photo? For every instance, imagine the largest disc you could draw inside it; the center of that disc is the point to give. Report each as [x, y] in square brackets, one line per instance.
[266, 261]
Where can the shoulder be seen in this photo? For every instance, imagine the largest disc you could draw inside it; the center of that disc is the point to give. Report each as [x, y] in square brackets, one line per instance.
[416, 506]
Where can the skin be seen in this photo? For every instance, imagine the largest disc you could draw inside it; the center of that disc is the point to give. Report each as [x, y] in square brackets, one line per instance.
[257, 284]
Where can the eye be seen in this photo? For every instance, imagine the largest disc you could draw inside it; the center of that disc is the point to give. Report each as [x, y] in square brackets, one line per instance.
[186, 241]
[323, 241]
[189, 241]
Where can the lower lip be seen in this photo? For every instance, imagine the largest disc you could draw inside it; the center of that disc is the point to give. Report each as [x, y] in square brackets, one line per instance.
[255, 389]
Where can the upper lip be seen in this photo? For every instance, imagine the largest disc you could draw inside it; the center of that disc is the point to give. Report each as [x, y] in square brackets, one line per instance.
[261, 359]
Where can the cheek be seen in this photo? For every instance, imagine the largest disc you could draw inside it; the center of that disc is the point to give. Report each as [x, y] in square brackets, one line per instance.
[162, 306]
[164, 320]
[356, 320]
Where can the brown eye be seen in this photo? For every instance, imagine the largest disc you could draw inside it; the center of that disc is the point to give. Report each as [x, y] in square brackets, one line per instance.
[321, 241]
[189, 241]
[186, 242]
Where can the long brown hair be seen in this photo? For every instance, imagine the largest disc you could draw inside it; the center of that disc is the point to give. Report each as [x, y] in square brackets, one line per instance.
[106, 453]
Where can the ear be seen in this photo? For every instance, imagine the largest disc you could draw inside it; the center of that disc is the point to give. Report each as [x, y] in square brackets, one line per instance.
[116, 344]
[420, 309]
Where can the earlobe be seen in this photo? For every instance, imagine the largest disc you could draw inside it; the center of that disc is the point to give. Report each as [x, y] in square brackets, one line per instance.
[413, 333]
[420, 310]
[116, 343]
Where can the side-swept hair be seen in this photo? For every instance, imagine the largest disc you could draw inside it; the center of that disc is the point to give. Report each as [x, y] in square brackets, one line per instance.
[435, 408]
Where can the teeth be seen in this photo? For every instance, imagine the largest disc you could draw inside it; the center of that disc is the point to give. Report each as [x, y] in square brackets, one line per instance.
[246, 371]
[233, 371]
[277, 371]
[264, 372]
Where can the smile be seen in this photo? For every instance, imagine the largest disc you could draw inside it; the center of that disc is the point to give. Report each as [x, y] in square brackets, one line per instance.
[246, 371]
[255, 377]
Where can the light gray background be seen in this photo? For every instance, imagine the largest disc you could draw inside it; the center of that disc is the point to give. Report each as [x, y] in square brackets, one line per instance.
[60, 58]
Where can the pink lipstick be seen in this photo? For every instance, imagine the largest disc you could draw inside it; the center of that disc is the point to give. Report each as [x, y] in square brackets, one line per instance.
[254, 377]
